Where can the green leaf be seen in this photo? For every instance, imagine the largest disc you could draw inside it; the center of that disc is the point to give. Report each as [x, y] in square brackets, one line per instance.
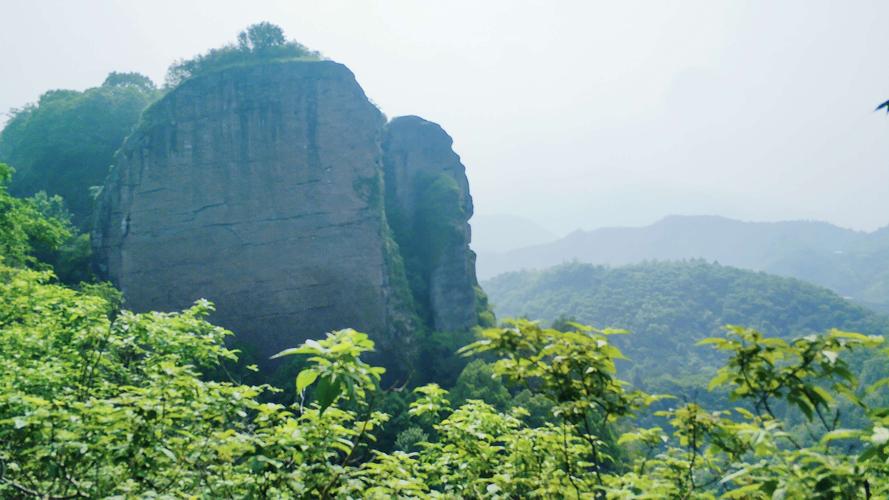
[629, 437]
[711, 340]
[343, 346]
[876, 386]
[614, 331]
[743, 491]
[824, 395]
[327, 391]
[803, 404]
[734, 475]
[840, 434]
[305, 379]
[287, 352]
[167, 452]
[721, 377]
[745, 412]
[869, 453]
[343, 444]
[852, 336]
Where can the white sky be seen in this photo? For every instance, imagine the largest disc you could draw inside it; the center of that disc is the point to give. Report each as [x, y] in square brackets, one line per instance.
[572, 114]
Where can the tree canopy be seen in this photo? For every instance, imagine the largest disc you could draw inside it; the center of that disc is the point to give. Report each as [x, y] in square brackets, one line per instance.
[65, 143]
[26, 229]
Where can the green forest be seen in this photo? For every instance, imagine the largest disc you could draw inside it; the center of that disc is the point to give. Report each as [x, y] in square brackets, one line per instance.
[852, 263]
[98, 401]
[670, 306]
[683, 379]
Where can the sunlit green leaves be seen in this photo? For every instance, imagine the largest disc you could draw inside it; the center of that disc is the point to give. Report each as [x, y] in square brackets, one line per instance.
[305, 378]
[431, 401]
[24, 230]
[337, 366]
[766, 369]
[880, 436]
[94, 404]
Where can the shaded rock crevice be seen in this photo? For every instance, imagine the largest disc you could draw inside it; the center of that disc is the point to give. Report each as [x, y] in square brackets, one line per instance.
[429, 206]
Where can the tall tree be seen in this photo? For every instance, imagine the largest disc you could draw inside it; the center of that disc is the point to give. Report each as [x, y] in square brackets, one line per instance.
[64, 143]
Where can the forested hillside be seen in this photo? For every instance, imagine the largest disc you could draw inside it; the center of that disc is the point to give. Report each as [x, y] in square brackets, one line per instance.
[669, 306]
[65, 143]
[852, 263]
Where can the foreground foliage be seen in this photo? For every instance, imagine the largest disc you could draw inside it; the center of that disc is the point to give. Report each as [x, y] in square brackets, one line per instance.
[97, 402]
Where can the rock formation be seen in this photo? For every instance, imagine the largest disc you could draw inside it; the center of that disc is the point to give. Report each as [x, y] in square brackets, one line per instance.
[429, 206]
[263, 189]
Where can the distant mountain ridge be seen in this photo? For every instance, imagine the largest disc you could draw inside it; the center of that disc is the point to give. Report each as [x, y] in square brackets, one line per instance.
[855, 264]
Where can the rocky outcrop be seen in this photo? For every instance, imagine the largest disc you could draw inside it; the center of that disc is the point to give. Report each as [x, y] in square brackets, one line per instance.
[429, 206]
[261, 188]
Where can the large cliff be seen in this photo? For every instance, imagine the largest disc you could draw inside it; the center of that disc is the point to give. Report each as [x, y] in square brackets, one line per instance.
[429, 206]
[263, 189]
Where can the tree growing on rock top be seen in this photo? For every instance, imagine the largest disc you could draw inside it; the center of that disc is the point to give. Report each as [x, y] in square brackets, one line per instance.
[257, 43]
[261, 36]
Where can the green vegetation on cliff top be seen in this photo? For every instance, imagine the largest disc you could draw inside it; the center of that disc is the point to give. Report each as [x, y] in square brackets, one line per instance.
[259, 43]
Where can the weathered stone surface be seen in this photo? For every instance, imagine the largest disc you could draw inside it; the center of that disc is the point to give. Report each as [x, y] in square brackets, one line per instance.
[260, 189]
[429, 206]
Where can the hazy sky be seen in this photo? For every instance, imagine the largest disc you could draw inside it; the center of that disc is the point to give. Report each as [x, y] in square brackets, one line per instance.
[572, 114]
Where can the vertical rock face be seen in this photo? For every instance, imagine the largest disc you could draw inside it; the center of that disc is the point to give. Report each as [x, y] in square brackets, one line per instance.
[429, 206]
[261, 188]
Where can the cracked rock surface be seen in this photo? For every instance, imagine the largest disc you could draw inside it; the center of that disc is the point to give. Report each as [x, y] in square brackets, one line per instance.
[261, 189]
